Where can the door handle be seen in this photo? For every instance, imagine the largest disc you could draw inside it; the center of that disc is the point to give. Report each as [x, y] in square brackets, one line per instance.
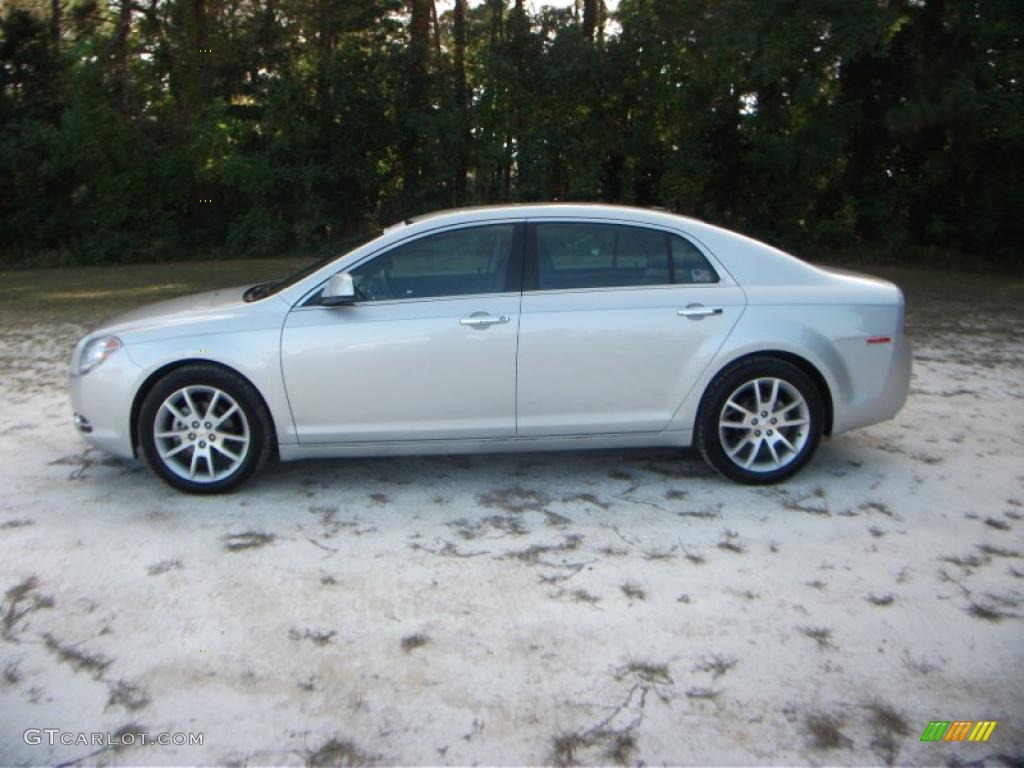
[698, 310]
[482, 321]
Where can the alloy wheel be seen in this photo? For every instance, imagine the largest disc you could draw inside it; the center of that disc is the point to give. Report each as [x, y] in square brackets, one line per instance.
[764, 424]
[201, 433]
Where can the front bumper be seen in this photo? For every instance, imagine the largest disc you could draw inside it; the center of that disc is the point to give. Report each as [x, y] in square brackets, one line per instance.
[101, 402]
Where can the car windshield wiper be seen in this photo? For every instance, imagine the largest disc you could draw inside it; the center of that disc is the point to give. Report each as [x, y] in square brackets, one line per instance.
[260, 291]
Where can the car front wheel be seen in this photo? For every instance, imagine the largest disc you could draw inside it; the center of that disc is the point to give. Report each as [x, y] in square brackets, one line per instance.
[760, 421]
[204, 429]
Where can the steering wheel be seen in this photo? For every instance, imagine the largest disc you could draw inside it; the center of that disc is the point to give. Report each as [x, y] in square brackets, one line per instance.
[376, 286]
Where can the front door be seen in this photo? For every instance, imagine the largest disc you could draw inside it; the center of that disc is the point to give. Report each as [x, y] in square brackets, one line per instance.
[427, 352]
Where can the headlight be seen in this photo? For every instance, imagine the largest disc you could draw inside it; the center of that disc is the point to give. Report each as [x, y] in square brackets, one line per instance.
[96, 351]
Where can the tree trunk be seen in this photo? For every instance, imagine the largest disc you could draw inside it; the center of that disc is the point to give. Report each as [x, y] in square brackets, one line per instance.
[325, 46]
[496, 18]
[589, 18]
[419, 35]
[437, 32]
[55, 23]
[119, 52]
[417, 101]
[200, 74]
[518, 30]
[461, 100]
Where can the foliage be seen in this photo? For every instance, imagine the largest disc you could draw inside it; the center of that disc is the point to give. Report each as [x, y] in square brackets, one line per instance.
[185, 128]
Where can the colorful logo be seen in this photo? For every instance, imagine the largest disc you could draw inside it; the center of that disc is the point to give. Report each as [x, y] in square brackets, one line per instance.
[958, 730]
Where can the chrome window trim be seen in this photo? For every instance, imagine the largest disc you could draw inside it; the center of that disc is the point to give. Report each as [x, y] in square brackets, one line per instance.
[419, 300]
[609, 288]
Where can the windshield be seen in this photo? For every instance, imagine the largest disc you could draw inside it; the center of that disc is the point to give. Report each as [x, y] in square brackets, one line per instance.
[269, 288]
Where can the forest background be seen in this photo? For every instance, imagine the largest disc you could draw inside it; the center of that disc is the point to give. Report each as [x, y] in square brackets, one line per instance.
[152, 130]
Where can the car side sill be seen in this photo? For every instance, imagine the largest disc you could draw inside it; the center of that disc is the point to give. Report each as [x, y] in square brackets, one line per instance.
[668, 439]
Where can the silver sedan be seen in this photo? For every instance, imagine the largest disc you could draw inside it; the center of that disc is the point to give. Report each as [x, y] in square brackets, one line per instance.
[513, 328]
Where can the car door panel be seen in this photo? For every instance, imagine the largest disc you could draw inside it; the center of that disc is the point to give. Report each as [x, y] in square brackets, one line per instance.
[605, 361]
[427, 352]
[403, 370]
[609, 341]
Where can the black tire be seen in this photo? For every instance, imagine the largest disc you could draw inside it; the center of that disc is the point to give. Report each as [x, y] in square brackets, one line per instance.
[708, 436]
[261, 433]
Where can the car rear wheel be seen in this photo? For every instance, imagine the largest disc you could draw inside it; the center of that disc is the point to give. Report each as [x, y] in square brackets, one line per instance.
[204, 429]
[760, 421]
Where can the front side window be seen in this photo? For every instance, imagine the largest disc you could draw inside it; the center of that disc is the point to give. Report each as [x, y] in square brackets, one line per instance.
[463, 262]
[582, 255]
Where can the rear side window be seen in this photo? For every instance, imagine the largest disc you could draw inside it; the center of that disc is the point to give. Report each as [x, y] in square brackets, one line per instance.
[689, 264]
[581, 255]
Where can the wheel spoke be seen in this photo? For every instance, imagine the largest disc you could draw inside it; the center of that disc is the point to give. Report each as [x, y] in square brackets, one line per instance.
[209, 463]
[192, 465]
[193, 413]
[211, 404]
[226, 415]
[733, 404]
[739, 446]
[165, 435]
[787, 408]
[773, 452]
[230, 454]
[221, 435]
[756, 449]
[759, 403]
[774, 397]
[173, 451]
[174, 410]
[735, 425]
[793, 423]
[782, 439]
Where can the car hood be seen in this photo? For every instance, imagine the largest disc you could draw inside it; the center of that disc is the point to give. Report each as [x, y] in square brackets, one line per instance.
[180, 316]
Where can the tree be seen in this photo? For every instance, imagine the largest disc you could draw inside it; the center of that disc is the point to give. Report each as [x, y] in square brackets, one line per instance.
[138, 129]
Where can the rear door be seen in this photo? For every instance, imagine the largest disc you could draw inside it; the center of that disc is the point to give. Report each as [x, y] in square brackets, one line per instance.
[617, 323]
[428, 352]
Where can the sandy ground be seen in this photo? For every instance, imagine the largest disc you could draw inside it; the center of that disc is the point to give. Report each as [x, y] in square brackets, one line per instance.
[598, 608]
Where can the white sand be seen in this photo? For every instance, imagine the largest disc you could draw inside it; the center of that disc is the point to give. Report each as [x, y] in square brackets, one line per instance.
[533, 655]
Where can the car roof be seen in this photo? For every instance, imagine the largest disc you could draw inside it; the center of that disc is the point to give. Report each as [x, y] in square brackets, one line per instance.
[543, 210]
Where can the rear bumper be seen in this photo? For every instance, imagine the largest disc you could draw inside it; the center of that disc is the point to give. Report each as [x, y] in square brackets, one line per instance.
[101, 403]
[879, 382]
[898, 386]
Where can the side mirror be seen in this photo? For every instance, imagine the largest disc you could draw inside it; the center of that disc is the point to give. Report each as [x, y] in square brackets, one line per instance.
[339, 291]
